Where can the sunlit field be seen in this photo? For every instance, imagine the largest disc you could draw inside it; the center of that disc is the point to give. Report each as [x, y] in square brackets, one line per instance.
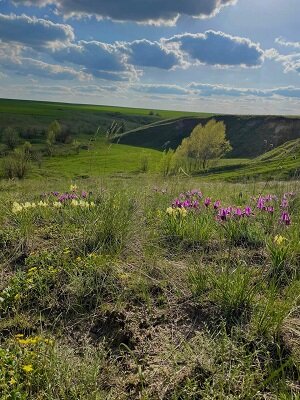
[148, 288]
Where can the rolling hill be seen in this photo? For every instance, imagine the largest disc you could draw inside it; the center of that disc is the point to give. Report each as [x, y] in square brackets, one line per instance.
[282, 162]
[250, 136]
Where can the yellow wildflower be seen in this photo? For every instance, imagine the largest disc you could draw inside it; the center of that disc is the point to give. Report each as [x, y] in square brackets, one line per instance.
[16, 208]
[27, 368]
[12, 381]
[182, 211]
[279, 239]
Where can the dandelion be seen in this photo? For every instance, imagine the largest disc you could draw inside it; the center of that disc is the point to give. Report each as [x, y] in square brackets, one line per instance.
[27, 368]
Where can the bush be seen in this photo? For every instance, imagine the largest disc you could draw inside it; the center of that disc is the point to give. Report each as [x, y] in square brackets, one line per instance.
[16, 165]
[10, 138]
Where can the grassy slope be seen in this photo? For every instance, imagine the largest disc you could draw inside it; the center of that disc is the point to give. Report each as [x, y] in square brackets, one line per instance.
[102, 159]
[249, 136]
[282, 162]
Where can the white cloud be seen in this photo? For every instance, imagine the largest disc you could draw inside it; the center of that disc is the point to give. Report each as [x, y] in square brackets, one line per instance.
[218, 49]
[34, 32]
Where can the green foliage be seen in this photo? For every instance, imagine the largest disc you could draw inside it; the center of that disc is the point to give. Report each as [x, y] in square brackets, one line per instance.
[233, 291]
[144, 161]
[186, 229]
[167, 163]
[243, 232]
[205, 144]
[16, 165]
[10, 138]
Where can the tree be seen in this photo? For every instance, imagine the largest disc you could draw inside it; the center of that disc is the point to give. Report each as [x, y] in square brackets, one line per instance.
[53, 132]
[205, 143]
[10, 137]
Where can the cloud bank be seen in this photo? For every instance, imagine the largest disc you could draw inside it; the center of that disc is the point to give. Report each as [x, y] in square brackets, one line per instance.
[141, 11]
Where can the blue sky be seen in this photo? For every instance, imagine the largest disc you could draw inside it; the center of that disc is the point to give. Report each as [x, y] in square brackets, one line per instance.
[225, 56]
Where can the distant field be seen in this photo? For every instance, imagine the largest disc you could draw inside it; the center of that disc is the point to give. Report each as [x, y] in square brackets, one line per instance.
[59, 109]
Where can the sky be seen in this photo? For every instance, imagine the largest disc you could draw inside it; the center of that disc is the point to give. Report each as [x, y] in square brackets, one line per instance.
[222, 56]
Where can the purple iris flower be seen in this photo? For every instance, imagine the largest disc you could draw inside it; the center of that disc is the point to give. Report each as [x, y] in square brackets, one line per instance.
[222, 214]
[285, 218]
[217, 204]
[207, 201]
[238, 212]
[261, 203]
[284, 203]
[248, 211]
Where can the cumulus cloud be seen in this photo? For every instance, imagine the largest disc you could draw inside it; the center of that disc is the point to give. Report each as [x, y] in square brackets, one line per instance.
[219, 49]
[142, 11]
[12, 60]
[101, 60]
[34, 32]
[144, 53]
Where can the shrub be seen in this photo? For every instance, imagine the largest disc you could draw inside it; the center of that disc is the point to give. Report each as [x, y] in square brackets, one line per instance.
[10, 138]
[17, 165]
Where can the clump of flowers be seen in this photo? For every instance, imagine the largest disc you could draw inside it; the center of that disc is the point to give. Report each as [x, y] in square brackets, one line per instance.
[190, 199]
[269, 204]
[19, 362]
[57, 200]
[232, 212]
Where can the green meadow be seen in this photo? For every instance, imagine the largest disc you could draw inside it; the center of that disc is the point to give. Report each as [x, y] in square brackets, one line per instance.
[124, 279]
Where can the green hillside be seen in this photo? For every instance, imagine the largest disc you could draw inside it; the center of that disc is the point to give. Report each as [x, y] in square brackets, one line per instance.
[282, 162]
[33, 117]
[250, 136]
